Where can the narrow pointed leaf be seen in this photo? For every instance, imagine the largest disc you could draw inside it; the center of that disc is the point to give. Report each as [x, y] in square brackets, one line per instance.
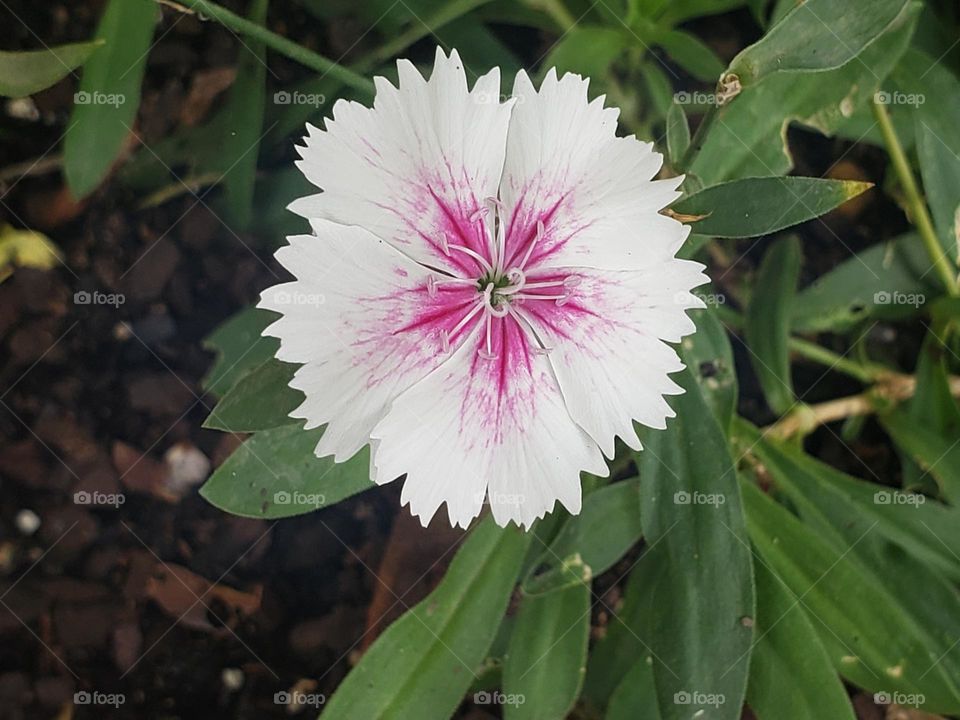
[547, 657]
[636, 695]
[760, 206]
[424, 662]
[791, 676]
[678, 133]
[928, 530]
[768, 322]
[30, 71]
[105, 106]
[693, 519]
[936, 454]
[871, 638]
[627, 637]
[889, 280]
[237, 154]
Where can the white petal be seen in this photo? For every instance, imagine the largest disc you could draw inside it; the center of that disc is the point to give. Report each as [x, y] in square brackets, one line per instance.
[592, 190]
[477, 427]
[609, 346]
[360, 318]
[422, 161]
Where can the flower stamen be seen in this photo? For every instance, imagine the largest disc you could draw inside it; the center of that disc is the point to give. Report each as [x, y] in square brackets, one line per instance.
[446, 335]
[446, 247]
[526, 256]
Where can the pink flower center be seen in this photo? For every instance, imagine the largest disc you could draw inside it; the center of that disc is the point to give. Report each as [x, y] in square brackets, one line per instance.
[501, 290]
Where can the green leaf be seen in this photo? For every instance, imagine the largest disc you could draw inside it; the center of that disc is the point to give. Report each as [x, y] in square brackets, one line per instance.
[606, 528]
[692, 517]
[883, 534]
[938, 455]
[888, 281]
[940, 167]
[678, 11]
[586, 50]
[105, 107]
[658, 87]
[678, 133]
[425, 661]
[791, 677]
[872, 639]
[275, 474]
[236, 153]
[239, 347]
[933, 410]
[25, 73]
[689, 53]
[886, 543]
[749, 137]
[627, 637]
[937, 131]
[709, 356]
[547, 658]
[261, 399]
[763, 205]
[817, 35]
[767, 323]
[927, 529]
[636, 695]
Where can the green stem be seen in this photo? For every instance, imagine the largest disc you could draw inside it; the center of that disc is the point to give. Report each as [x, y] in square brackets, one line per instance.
[280, 44]
[699, 137]
[917, 209]
[866, 374]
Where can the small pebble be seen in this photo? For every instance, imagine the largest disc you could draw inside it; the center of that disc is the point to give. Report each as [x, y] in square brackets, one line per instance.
[232, 678]
[27, 521]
